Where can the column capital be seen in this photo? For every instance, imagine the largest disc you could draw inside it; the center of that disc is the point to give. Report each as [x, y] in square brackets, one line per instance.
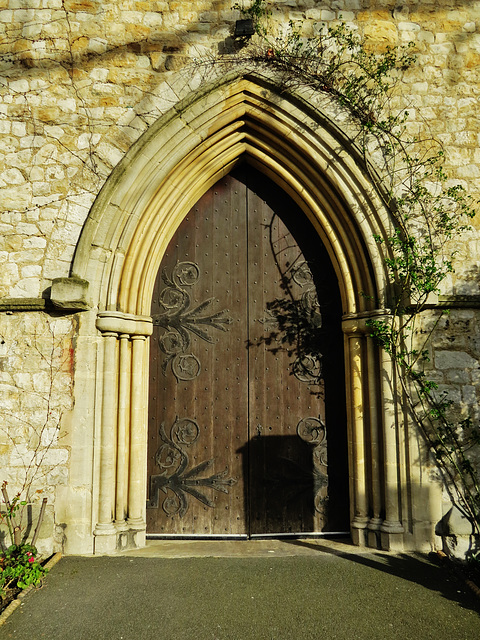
[124, 323]
[110, 334]
[356, 323]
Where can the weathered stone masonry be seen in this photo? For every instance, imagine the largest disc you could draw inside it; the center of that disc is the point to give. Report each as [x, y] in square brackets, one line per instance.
[80, 83]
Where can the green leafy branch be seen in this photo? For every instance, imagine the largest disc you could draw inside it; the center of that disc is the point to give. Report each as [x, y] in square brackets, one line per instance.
[257, 11]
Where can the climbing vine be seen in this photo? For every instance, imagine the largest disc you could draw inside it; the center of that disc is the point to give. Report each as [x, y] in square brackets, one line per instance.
[257, 11]
[428, 210]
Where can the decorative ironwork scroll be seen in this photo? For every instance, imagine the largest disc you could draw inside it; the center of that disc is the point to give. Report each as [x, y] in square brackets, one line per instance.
[180, 321]
[313, 431]
[308, 366]
[175, 480]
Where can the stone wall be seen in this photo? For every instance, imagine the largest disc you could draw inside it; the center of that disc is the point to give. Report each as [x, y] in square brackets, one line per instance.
[82, 80]
[36, 383]
[451, 338]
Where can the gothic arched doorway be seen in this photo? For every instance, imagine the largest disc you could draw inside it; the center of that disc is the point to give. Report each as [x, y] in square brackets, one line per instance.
[247, 410]
[308, 153]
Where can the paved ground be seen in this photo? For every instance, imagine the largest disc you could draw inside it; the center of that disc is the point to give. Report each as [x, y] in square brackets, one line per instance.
[272, 591]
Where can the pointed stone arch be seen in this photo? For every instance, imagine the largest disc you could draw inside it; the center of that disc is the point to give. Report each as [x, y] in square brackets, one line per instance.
[306, 148]
[304, 144]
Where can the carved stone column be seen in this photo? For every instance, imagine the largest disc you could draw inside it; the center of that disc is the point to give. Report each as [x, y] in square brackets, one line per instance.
[375, 443]
[376, 484]
[123, 431]
[105, 531]
[138, 438]
[391, 528]
[123, 460]
[355, 361]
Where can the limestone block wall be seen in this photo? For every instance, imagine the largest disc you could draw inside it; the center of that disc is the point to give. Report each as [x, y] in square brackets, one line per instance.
[453, 352]
[454, 361]
[82, 80]
[36, 382]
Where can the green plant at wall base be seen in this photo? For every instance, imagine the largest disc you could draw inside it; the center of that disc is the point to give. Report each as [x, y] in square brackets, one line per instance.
[8, 515]
[427, 209]
[19, 568]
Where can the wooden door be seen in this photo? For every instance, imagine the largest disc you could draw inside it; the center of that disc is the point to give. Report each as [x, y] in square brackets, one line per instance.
[246, 372]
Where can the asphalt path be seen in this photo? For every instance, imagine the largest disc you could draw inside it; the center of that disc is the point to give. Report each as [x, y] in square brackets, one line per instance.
[325, 595]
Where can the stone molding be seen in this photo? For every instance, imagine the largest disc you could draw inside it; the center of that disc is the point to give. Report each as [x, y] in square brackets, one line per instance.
[124, 323]
[302, 142]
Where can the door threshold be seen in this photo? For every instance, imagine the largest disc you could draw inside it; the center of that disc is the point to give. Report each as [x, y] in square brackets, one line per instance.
[196, 536]
[244, 536]
[280, 536]
[234, 547]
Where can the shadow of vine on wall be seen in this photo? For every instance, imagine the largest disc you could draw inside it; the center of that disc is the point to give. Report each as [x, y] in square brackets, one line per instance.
[294, 325]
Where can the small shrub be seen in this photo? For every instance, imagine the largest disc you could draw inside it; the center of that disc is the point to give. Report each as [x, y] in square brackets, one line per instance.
[19, 568]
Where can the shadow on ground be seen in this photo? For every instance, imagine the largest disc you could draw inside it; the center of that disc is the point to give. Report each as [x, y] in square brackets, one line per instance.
[324, 594]
[411, 567]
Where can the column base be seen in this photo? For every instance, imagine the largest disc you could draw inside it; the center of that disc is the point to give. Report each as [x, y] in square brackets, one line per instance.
[139, 539]
[137, 533]
[105, 541]
[121, 526]
[373, 533]
[359, 531]
[392, 526]
[109, 540]
[392, 536]
[374, 524]
[136, 524]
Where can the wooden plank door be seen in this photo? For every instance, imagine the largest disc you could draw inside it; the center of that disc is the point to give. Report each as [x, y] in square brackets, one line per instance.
[198, 402]
[295, 356]
[246, 329]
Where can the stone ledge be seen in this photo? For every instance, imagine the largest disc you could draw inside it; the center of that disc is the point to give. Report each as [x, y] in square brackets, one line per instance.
[459, 302]
[66, 294]
[22, 304]
[70, 294]
[454, 302]
[435, 301]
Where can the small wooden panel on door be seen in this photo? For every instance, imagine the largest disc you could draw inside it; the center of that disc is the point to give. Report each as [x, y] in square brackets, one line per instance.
[245, 371]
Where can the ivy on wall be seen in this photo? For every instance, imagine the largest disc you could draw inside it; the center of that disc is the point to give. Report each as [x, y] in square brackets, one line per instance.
[429, 213]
